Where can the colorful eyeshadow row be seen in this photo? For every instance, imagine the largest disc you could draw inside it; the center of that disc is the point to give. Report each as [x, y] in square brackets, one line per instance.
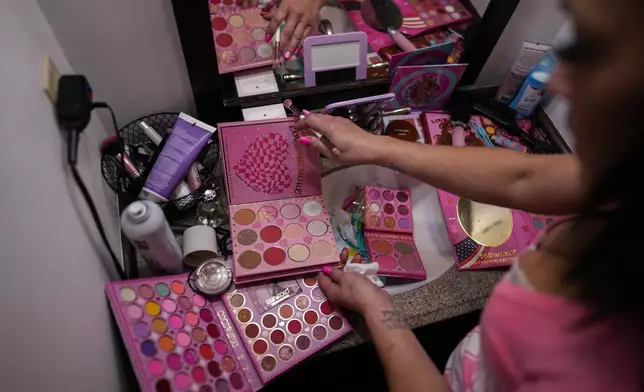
[274, 236]
[175, 339]
[282, 323]
[396, 255]
[388, 210]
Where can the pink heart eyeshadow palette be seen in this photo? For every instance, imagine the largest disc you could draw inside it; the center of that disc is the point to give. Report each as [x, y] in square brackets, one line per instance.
[279, 224]
[239, 40]
[180, 340]
[389, 233]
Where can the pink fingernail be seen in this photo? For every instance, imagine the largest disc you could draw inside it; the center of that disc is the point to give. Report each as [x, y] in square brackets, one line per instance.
[268, 37]
[297, 51]
[305, 140]
[326, 270]
[305, 112]
[287, 55]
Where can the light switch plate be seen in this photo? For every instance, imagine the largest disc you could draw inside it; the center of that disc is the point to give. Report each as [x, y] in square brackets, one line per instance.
[51, 75]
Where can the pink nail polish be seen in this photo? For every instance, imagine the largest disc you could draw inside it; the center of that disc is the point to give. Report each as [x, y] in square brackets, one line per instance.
[326, 270]
[287, 55]
[305, 140]
[268, 38]
[297, 51]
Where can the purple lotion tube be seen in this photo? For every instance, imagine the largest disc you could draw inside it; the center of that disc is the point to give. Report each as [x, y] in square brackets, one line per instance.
[188, 137]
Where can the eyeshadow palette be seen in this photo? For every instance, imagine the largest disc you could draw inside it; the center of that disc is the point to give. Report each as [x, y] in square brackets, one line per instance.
[279, 224]
[293, 234]
[283, 323]
[389, 233]
[239, 40]
[180, 340]
[483, 236]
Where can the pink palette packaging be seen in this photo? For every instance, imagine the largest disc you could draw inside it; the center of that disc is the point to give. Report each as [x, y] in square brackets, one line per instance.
[389, 233]
[239, 40]
[179, 340]
[279, 224]
[482, 236]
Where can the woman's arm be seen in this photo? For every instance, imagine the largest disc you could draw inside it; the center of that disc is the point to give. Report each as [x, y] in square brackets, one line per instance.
[547, 184]
[407, 366]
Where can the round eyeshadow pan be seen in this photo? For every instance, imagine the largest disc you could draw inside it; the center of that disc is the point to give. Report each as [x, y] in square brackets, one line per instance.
[269, 320]
[374, 221]
[286, 311]
[311, 317]
[146, 291]
[236, 381]
[163, 385]
[302, 302]
[312, 208]
[127, 294]
[311, 281]
[268, 363]
[249, 259]
[206, 351]
[293, 230]
[374, 207]
[181, 380]
[169, 305]
[135, 312]
[389, 209]
[247, 53]
[274, 256]
[199, 335]
[228, 364]
[156, 367]
[319, 332]
[388, 195]
[403, 209]
[277, 336]
[251, 331]
[237, 300]
[268, 213]
[176, 322]
[317, 294]
[326, 308]
[178, 287]
[222, 385]
[258, 34]
[236, 20]
[206, 315]
[290, 211]
[382, 246]
[166, 343]
[270, 234]
[402, 197]
[404, 223]
[152, 308]
[244, 217]
[190, 356]
[317, 228]
[386, 262]
[409, 263]
[159, 325]
[184, 303]
[299, 252]
[374, 194]
[183, 339]
[244, 315]
[247, 237]
[390, 222]
[260, 346]
[198, 300]
[141, 329]
[219, 24]
[221, 347]
[198, 374]
[174, 361]
[192, 318]
[213, 331]
[224, 40]
[148, 348]
[294, 327]
[285, 353]
[242, 37]
[404, 248]
[213, 369]
[336, 323]
[322, 249]
[265, 51]
[303, 342]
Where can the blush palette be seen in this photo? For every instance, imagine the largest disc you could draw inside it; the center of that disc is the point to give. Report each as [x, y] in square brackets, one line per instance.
[389, 233]
[180, 340]
[282, 323]
[279, 224]
[239, 40]
[292, 234]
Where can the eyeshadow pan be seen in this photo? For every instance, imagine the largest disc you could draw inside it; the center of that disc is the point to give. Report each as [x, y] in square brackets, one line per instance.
[403, 209]
[219, 24]
[174, 361]
[390, 222]
[198, 300]
[244, 315]
[303, 342]
[302, 302]
[249, 259]
[374, 221]
[247, 53]
[127, 294]
[312, 208]
[152, 308]
[268, 363]
[537, 223]
[237, 300]
[229, 57]
[319, 332]
[159, 325]
[247, 237]
[169, 305]
[221, 347]
[311, 317]
[317, 228]
[336, 323]
[146, 291]
[389, 209]
[404, 223]
[258, 34]
[285, 353]
[277, 336]
[224, 40]
[311, 281]
[198, 374]
[294, 326]
[244, 217]
[388, 195]
[236, 20]
[317, 294]
[178, 287]
[286, 311]
[213, 331]
[214, 369]
[199, 335]
[206, 315]
[206, 351]
[148, 348]
[274, 256]
[222, 385]
[184, 303]
[156, 367]
[270, 234]
[374, 194]
[409, 263]
[190, 356]
[236, 381]
[386, 262]
[290, 211]
[374, 207]
[228, 363]
[242, 37]
[402, 197]
[141, 329]
[176, 322]
[382, 246]
[166, 343]
[293, 230]
[268, 213]
[163, 385]
[265, 51]
[269, 320]
[326, 308]
[404, 248]
[134, 311]
[183, 339]
[192, 318]
[298, 252]
[322, 249]
[260, 346]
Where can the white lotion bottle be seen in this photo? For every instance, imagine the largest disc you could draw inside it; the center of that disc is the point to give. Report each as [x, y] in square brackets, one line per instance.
[145, 225]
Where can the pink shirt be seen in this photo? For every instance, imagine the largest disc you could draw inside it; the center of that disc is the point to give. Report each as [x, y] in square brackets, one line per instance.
[531, 341]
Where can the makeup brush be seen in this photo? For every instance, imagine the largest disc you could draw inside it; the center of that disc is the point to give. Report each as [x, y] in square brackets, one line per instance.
[288, 104]
[276, 45]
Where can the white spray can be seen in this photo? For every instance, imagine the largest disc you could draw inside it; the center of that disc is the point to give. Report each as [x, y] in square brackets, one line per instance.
[145, 225]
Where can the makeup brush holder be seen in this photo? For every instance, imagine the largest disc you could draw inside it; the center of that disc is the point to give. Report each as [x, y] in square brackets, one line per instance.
[140, 150]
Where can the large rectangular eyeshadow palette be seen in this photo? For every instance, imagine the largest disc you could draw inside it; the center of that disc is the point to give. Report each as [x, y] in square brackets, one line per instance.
[180, 340]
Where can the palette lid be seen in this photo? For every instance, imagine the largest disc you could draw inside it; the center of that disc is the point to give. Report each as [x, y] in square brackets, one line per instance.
[264, 161]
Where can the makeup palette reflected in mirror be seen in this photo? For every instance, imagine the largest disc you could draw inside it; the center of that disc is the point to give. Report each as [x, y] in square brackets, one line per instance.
[486, 224]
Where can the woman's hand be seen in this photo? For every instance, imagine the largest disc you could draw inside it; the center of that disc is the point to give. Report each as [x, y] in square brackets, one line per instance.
[353, 145]
[301, 17]
[353, 291]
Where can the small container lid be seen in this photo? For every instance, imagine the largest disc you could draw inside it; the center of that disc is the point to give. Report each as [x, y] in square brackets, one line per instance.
[213, 277]
[137, 211]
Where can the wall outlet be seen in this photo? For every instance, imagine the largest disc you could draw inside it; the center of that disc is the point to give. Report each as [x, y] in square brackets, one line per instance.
[50, 79]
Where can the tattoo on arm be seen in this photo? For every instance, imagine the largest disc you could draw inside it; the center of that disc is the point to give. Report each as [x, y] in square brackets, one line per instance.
[393, 320]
